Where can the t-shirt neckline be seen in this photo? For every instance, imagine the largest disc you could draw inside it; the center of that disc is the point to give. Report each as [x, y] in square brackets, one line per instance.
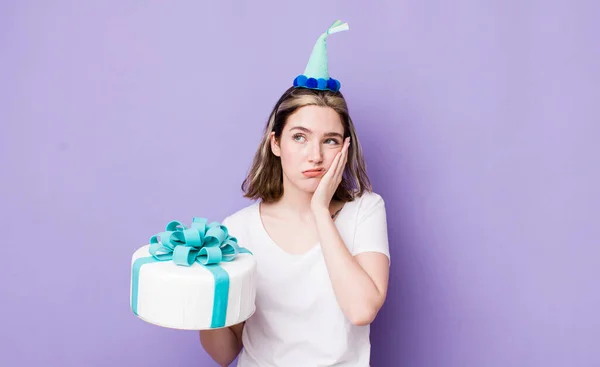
[272, 242]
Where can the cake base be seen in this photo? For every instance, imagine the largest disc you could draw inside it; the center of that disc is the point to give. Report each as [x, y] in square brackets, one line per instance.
[189, 297]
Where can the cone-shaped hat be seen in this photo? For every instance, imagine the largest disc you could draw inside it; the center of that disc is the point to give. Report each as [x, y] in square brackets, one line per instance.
[316, 74]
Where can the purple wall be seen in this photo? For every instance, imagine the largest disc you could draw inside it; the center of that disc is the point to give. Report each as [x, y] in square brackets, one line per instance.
[480, 122]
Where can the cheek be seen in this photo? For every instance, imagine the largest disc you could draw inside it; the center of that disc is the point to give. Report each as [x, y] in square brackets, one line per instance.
[291, 154]
[330, 156]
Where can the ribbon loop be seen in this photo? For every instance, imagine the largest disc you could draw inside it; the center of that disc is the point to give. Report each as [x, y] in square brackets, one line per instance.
[184, 255]
[230, 249]
[201, 242]
[175, 225]
[209, 256]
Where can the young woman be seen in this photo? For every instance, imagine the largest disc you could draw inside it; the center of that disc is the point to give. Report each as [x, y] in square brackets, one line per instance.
[319, 236]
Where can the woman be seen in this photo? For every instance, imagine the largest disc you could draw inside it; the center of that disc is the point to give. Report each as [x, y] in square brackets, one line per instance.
[319, 236]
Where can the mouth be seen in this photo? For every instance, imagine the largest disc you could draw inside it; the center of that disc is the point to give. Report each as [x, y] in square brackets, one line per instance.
[314, 172]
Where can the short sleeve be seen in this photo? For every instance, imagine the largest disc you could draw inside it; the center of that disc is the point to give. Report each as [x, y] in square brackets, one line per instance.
[371, 234]
[237, 225]
[231, 224]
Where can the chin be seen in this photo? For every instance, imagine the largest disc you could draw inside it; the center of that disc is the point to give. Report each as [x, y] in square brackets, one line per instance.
[301, 183]
[308, 186]
[312, 186]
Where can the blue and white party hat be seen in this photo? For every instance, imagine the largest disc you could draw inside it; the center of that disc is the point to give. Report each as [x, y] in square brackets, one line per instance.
[316, 74]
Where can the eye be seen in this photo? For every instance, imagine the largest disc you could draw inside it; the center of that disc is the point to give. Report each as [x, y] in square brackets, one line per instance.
[298, 137]
[331, 141]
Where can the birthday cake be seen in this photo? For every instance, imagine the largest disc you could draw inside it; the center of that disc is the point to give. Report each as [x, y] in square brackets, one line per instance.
[193, 278]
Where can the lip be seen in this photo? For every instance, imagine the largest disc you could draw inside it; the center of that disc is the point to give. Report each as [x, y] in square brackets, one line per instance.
[314, 172]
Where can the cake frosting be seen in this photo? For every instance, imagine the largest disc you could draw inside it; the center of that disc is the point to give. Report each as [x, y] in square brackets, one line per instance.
[193, 278]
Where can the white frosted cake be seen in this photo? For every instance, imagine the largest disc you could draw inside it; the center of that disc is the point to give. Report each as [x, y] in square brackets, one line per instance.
[193, 279]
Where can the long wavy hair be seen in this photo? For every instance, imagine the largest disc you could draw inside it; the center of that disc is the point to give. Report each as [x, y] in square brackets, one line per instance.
[265, 178]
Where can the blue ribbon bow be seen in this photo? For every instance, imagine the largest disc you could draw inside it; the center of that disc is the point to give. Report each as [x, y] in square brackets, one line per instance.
[202, 243]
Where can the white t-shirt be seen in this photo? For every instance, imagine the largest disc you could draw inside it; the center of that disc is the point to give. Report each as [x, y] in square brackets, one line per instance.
[298, 321]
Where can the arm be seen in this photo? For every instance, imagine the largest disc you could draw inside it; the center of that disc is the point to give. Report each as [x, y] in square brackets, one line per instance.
[223, 345]
[359, 282]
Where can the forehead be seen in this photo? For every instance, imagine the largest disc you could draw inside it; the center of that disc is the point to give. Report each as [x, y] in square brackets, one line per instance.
[317, 119]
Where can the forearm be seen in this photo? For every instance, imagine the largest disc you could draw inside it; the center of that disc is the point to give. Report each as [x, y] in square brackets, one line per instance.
[356, 293]
[223, 345]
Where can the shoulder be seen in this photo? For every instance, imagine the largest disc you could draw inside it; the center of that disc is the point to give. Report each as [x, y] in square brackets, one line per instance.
[368, 224]
[238, 220]
[368, 201]
[369, 198]
[243, 225]
[241, 215]
[367, 207]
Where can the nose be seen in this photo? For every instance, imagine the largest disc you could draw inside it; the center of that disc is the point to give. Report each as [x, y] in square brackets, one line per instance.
[315, 155]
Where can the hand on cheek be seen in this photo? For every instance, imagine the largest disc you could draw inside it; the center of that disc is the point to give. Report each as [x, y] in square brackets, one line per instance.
[331, 180]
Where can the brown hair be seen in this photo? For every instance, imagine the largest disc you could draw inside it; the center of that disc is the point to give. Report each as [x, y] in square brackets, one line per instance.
[265, 177]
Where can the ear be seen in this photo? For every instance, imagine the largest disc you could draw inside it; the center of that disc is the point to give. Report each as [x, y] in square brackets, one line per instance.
[275, 145]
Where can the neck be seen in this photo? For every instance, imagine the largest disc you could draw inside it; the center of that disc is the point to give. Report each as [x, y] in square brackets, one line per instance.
[296, 200]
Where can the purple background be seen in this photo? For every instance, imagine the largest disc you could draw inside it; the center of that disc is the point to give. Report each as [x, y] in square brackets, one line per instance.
[479, 120]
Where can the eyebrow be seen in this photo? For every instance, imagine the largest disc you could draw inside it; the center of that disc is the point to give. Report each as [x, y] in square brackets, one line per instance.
[308, 131]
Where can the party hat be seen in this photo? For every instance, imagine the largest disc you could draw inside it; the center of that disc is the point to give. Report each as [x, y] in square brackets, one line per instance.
[316, 74]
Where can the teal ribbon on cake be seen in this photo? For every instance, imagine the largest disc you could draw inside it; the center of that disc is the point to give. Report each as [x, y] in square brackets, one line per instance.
[202, 243]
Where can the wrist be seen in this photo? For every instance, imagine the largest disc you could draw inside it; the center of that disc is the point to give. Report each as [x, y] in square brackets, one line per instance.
[320, 211]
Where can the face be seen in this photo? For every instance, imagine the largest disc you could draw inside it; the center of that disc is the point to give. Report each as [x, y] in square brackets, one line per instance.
[311, 138]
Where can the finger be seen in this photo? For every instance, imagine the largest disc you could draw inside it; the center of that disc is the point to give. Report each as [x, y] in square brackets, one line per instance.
[339, 161]
[344, 157]
[346, 151]
[339, 166]
[333, 167]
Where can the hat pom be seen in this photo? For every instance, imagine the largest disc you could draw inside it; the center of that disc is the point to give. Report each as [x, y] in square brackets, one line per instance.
[333, 84]
[302, 81]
